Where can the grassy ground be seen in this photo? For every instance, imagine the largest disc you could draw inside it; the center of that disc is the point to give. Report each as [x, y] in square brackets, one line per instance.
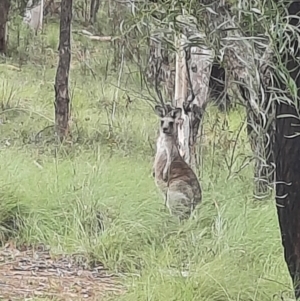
[96, 195]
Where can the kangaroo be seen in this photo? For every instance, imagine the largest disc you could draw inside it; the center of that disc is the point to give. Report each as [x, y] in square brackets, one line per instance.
[181, 187]
[161, 159]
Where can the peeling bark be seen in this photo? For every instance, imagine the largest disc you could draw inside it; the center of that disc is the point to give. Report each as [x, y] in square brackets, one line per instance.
[180, 98]
[193, 70]
[62, 100]
[200, 72]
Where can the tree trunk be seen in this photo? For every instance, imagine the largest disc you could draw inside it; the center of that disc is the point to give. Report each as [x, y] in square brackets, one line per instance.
[287, 189]
[181, 90]
[95, 4]
[34, 15]
[287, 156]
[4, 10]
[191, 88]
[200, 72]
[62, 99]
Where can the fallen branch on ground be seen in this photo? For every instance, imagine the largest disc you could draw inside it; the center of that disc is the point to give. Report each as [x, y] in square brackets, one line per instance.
[93, 37]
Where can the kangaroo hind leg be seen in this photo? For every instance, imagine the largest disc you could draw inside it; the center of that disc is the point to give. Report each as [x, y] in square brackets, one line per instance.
[179, 204]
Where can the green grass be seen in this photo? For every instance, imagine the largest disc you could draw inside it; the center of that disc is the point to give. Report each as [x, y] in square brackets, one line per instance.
[97, 196]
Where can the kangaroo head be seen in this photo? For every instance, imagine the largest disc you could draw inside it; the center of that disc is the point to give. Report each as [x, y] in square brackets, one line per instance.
[169, 119]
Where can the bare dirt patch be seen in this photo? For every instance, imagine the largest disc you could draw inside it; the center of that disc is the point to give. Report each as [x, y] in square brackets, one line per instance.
[30, 272]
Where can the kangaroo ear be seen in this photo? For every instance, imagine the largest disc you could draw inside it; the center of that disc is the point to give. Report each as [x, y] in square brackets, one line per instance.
[160, 111]
[176, 113]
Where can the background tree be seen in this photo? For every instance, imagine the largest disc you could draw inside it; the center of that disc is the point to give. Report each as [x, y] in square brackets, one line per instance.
[94, 8]
[34, 15]
[62, 99]
[4, 10]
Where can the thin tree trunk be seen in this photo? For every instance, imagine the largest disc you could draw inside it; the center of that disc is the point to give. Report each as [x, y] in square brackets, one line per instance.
[41, 15]
[4, 10]
[287, 159]
[62, 99]
[95, 4]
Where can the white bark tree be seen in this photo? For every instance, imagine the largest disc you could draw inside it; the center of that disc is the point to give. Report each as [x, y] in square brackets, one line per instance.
[191, 85]
[34, 15]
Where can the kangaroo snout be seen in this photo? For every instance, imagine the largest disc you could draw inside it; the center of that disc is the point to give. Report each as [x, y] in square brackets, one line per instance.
[165, 130]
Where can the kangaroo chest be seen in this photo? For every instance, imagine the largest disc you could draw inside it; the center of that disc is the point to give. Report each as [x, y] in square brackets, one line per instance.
[160, 158]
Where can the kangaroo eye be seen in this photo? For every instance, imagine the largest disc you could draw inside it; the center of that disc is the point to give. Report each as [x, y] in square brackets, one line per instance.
[171, 123]
[161, 123]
